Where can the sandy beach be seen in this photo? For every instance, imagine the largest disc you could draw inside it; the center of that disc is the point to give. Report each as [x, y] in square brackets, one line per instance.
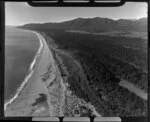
[45, 92]
[35, 99]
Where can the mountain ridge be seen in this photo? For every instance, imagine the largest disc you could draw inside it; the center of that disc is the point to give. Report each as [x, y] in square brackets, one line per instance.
[96, 24]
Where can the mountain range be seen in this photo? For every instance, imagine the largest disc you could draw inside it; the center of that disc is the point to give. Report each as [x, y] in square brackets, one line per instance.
[95, 24]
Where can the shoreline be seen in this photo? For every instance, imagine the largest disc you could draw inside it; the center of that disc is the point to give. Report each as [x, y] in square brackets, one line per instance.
[29, 72]
[63, 70]
[40, 92]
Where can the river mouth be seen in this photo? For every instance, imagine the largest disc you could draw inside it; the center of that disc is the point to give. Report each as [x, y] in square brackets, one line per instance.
[134, 89]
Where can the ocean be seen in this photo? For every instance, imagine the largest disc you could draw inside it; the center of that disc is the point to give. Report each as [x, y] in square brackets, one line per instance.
[21, 47]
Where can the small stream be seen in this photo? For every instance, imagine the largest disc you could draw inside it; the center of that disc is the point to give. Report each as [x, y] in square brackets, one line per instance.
[134, 89]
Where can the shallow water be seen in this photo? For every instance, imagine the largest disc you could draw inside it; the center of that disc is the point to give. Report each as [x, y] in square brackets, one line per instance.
[134, 89]
[20, 49]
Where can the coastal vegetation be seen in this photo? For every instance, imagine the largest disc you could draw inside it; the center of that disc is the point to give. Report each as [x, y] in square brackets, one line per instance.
[93, 64]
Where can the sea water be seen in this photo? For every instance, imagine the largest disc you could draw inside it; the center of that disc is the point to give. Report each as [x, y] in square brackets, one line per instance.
[21, 47]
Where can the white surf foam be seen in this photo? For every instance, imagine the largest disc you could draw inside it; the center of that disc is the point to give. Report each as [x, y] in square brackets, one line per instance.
[30, 72]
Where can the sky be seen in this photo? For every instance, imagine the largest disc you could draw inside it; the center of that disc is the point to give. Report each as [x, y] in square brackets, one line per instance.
[21, 13]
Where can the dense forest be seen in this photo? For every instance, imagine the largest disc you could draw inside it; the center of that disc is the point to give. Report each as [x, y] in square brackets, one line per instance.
[126, 63]
[106, 61]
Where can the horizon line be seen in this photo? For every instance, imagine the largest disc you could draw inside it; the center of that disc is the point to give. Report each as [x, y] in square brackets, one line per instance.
[134, 19]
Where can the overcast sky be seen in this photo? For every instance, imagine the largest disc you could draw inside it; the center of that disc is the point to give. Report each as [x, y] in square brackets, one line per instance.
[21, 13]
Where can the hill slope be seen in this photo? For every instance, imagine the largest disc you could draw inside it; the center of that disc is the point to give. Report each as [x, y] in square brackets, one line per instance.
[96, 24]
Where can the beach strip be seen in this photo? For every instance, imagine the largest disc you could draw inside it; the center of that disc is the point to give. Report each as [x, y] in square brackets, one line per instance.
[32, 87]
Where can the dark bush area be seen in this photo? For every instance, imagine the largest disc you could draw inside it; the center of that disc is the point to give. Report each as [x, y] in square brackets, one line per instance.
[117, 101]
[105, 61]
